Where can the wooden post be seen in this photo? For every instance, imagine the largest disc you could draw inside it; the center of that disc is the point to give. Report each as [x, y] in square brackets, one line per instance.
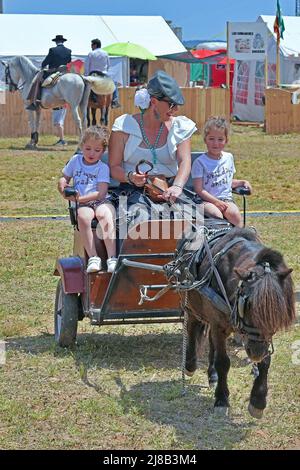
[266, 87]
[278, 63]
[266, 72]
[227, 60]
[128, 71]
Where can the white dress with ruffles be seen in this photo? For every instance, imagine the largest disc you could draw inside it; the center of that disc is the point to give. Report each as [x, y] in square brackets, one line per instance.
[182, 128]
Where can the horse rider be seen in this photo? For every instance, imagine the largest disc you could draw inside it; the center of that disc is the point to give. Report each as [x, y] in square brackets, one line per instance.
[98, 63]
[57, 56]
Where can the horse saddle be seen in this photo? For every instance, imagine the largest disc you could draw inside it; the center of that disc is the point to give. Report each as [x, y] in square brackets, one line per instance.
[50, 81]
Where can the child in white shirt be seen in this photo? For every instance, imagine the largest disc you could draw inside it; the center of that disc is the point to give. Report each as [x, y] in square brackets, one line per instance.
[90, 179]
[213, 171]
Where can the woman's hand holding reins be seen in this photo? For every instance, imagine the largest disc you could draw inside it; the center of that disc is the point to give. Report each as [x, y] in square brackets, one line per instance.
[136, 178]
[172, 193]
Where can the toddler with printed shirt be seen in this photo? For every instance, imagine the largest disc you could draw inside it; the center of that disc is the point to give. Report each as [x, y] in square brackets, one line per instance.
[213, 171]
[91, 179]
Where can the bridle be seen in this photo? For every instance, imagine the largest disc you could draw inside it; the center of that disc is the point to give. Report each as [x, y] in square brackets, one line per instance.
[9, 81]
[241, 304]
[236, 312]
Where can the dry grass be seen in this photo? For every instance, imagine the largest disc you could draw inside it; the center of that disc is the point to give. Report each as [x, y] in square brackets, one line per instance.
[120, 387]
[28, 178]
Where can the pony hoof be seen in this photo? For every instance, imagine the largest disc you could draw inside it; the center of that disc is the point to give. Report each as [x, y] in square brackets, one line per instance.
[221, 411]
[255, 412]
[189, 373]
[30, 146]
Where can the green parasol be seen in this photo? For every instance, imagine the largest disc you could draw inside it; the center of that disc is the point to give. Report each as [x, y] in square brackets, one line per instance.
[129, 49]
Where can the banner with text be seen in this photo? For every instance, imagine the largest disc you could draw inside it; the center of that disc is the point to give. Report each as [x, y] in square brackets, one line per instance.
[247, 41]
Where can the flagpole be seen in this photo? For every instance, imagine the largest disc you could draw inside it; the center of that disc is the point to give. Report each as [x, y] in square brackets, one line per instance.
[278, 63]
[278, 30]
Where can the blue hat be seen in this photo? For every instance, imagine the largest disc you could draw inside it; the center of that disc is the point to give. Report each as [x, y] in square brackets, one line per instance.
[161, 85]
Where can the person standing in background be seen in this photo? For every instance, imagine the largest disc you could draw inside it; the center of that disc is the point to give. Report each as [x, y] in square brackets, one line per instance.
[98, 63]
[58, 119]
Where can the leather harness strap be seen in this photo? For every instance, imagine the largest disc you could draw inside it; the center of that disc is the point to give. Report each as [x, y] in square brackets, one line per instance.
[213, 262]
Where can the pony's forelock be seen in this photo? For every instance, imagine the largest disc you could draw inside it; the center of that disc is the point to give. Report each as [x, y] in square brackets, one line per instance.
[274, 258]
[273, 303]
[268, 306]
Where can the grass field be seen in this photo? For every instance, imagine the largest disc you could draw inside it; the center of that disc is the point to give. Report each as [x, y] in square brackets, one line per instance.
[270, 163]
[120, 387]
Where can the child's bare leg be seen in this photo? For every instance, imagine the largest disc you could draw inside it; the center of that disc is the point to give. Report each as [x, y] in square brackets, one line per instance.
[212, 211]
[85, 217]
[233, 215]
[59, 131]
[106, 216]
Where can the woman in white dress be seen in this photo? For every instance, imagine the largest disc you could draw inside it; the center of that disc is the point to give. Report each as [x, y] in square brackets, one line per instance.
[157, 136]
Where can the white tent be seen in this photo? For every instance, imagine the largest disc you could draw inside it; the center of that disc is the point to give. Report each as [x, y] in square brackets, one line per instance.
[31, 35]
[212, 45]
[249, 76]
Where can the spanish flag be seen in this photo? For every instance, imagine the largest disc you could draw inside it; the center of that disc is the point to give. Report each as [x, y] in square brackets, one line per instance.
[279, 24]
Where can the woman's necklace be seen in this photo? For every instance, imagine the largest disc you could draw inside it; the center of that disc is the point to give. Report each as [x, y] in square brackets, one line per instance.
[151, 147]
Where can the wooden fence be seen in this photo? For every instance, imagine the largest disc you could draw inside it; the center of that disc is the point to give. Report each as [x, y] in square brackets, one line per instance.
[281, 116]
[200, 103]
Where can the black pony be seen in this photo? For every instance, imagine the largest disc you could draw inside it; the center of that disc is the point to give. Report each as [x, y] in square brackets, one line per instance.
[258, 301]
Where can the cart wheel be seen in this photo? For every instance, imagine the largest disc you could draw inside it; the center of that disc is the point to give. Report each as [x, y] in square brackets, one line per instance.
[65, 317]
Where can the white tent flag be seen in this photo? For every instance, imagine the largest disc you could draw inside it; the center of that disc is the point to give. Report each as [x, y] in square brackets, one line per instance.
[247, 41]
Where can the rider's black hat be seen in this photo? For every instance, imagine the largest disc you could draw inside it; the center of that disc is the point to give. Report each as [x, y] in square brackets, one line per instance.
[59, 38]
[161, 86]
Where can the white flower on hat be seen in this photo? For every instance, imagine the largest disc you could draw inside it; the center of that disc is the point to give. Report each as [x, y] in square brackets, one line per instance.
[142, 98]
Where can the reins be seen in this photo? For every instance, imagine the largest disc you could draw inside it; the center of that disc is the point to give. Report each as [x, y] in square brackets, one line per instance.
[149, 181]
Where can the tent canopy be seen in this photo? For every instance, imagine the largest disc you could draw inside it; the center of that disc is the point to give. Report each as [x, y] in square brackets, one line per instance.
[186, 57]
[31, 35]
[290, 44]
[211, 45]
[204, 53]
[201, 56]
[210, 57]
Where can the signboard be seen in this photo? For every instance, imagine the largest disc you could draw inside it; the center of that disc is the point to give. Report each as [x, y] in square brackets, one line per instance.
[247, 41]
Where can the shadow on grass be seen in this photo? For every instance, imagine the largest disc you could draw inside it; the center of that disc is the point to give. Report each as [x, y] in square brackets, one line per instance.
[127, 359]
[109, 351]
[44, 148]
[118, 351]
[191, 415]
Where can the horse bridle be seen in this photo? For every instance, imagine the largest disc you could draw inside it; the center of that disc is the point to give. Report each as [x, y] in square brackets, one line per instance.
[240, 305]
[9, 81]
[237, 312]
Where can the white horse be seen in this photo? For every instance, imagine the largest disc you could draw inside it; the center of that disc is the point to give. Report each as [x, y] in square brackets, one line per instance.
[71, 88]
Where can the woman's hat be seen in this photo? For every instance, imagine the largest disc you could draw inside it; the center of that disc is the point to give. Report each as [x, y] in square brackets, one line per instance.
[59, 38]
[161, 85]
